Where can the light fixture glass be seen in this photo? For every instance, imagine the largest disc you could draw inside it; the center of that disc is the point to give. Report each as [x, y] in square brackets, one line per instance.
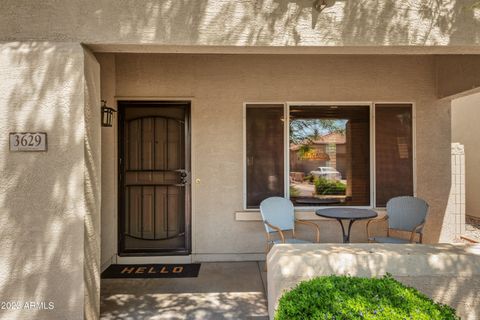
[107, 114]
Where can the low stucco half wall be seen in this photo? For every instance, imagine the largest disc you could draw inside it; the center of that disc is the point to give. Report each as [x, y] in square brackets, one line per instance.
[449, 274]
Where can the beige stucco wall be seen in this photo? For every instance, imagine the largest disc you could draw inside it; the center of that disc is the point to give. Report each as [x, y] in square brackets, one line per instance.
[452, 23]
[47, 198]
[92, 186]
[465, 120]
[457, 75]
[219, 85]
[108, 166]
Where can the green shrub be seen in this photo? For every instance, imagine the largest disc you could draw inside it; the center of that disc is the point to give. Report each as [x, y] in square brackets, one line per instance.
[329, 187]
[310, 178]
[294, 192]
[344, 297]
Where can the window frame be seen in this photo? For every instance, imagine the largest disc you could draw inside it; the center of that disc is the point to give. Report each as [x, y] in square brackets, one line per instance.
[244, 153]
[286, 143]
[414, 144]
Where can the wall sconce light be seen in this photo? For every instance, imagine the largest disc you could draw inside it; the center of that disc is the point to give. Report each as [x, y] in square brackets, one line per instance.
[107, 114]
[319, 5]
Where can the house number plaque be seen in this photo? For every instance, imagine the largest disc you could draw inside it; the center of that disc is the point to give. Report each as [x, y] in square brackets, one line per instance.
[28, 141]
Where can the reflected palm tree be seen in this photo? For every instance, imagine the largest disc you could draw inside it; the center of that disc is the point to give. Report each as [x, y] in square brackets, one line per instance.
[305, 132]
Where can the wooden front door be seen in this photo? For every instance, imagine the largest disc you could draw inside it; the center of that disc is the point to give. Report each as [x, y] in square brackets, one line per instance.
[154, 178]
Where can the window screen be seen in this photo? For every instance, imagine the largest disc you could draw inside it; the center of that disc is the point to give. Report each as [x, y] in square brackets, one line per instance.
[393, 152]
[264, 153]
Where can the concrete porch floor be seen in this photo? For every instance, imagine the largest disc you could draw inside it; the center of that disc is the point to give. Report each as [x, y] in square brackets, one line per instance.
[227, 290]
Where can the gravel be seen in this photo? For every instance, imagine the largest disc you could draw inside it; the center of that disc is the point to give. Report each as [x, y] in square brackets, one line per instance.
[472, 227]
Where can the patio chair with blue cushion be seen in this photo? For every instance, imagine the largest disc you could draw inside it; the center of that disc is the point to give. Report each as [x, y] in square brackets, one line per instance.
[403, 214]
[278, 215]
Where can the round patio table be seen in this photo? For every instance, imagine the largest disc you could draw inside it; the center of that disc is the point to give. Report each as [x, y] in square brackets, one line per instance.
[350, 214]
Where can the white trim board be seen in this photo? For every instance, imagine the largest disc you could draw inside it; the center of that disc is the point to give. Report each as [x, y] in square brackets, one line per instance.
[301, 215]
[154, 259]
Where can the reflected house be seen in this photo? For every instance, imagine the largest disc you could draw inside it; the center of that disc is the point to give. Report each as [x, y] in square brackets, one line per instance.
[323, 157]
[329, 150]
[330, 154]
[200, 99]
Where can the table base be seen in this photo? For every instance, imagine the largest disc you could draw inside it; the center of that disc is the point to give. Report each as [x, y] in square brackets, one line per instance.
[346, 236]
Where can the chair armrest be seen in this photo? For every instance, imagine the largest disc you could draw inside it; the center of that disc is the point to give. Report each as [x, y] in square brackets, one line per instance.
[277, 229]
[417, 229]
[384, 218]
[313, 225]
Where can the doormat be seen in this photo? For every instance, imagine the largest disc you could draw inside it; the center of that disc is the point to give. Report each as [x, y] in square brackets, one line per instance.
[141, 271]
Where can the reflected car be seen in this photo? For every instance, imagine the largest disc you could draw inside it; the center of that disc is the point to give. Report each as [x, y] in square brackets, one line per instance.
[328, 173]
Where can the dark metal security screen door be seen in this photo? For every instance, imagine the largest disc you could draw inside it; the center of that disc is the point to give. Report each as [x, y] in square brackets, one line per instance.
[154, 167]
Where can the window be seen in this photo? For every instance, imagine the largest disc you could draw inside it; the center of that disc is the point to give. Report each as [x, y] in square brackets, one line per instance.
[264, 153]
[326, 159]
[393, 152]
[329, 155]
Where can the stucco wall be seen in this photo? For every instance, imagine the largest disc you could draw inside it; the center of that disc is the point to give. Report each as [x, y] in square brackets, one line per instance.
[465, 120]
[92, 186]
[457, 74]
[108, 166]
[220, 84]
[41, 195]
[244, 23]
[49, 201]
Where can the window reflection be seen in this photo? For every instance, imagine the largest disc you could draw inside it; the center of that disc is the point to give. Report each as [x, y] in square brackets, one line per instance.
[329, 155]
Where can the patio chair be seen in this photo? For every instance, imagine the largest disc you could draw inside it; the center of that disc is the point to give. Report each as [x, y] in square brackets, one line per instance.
[278, 215]
[404, 214]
